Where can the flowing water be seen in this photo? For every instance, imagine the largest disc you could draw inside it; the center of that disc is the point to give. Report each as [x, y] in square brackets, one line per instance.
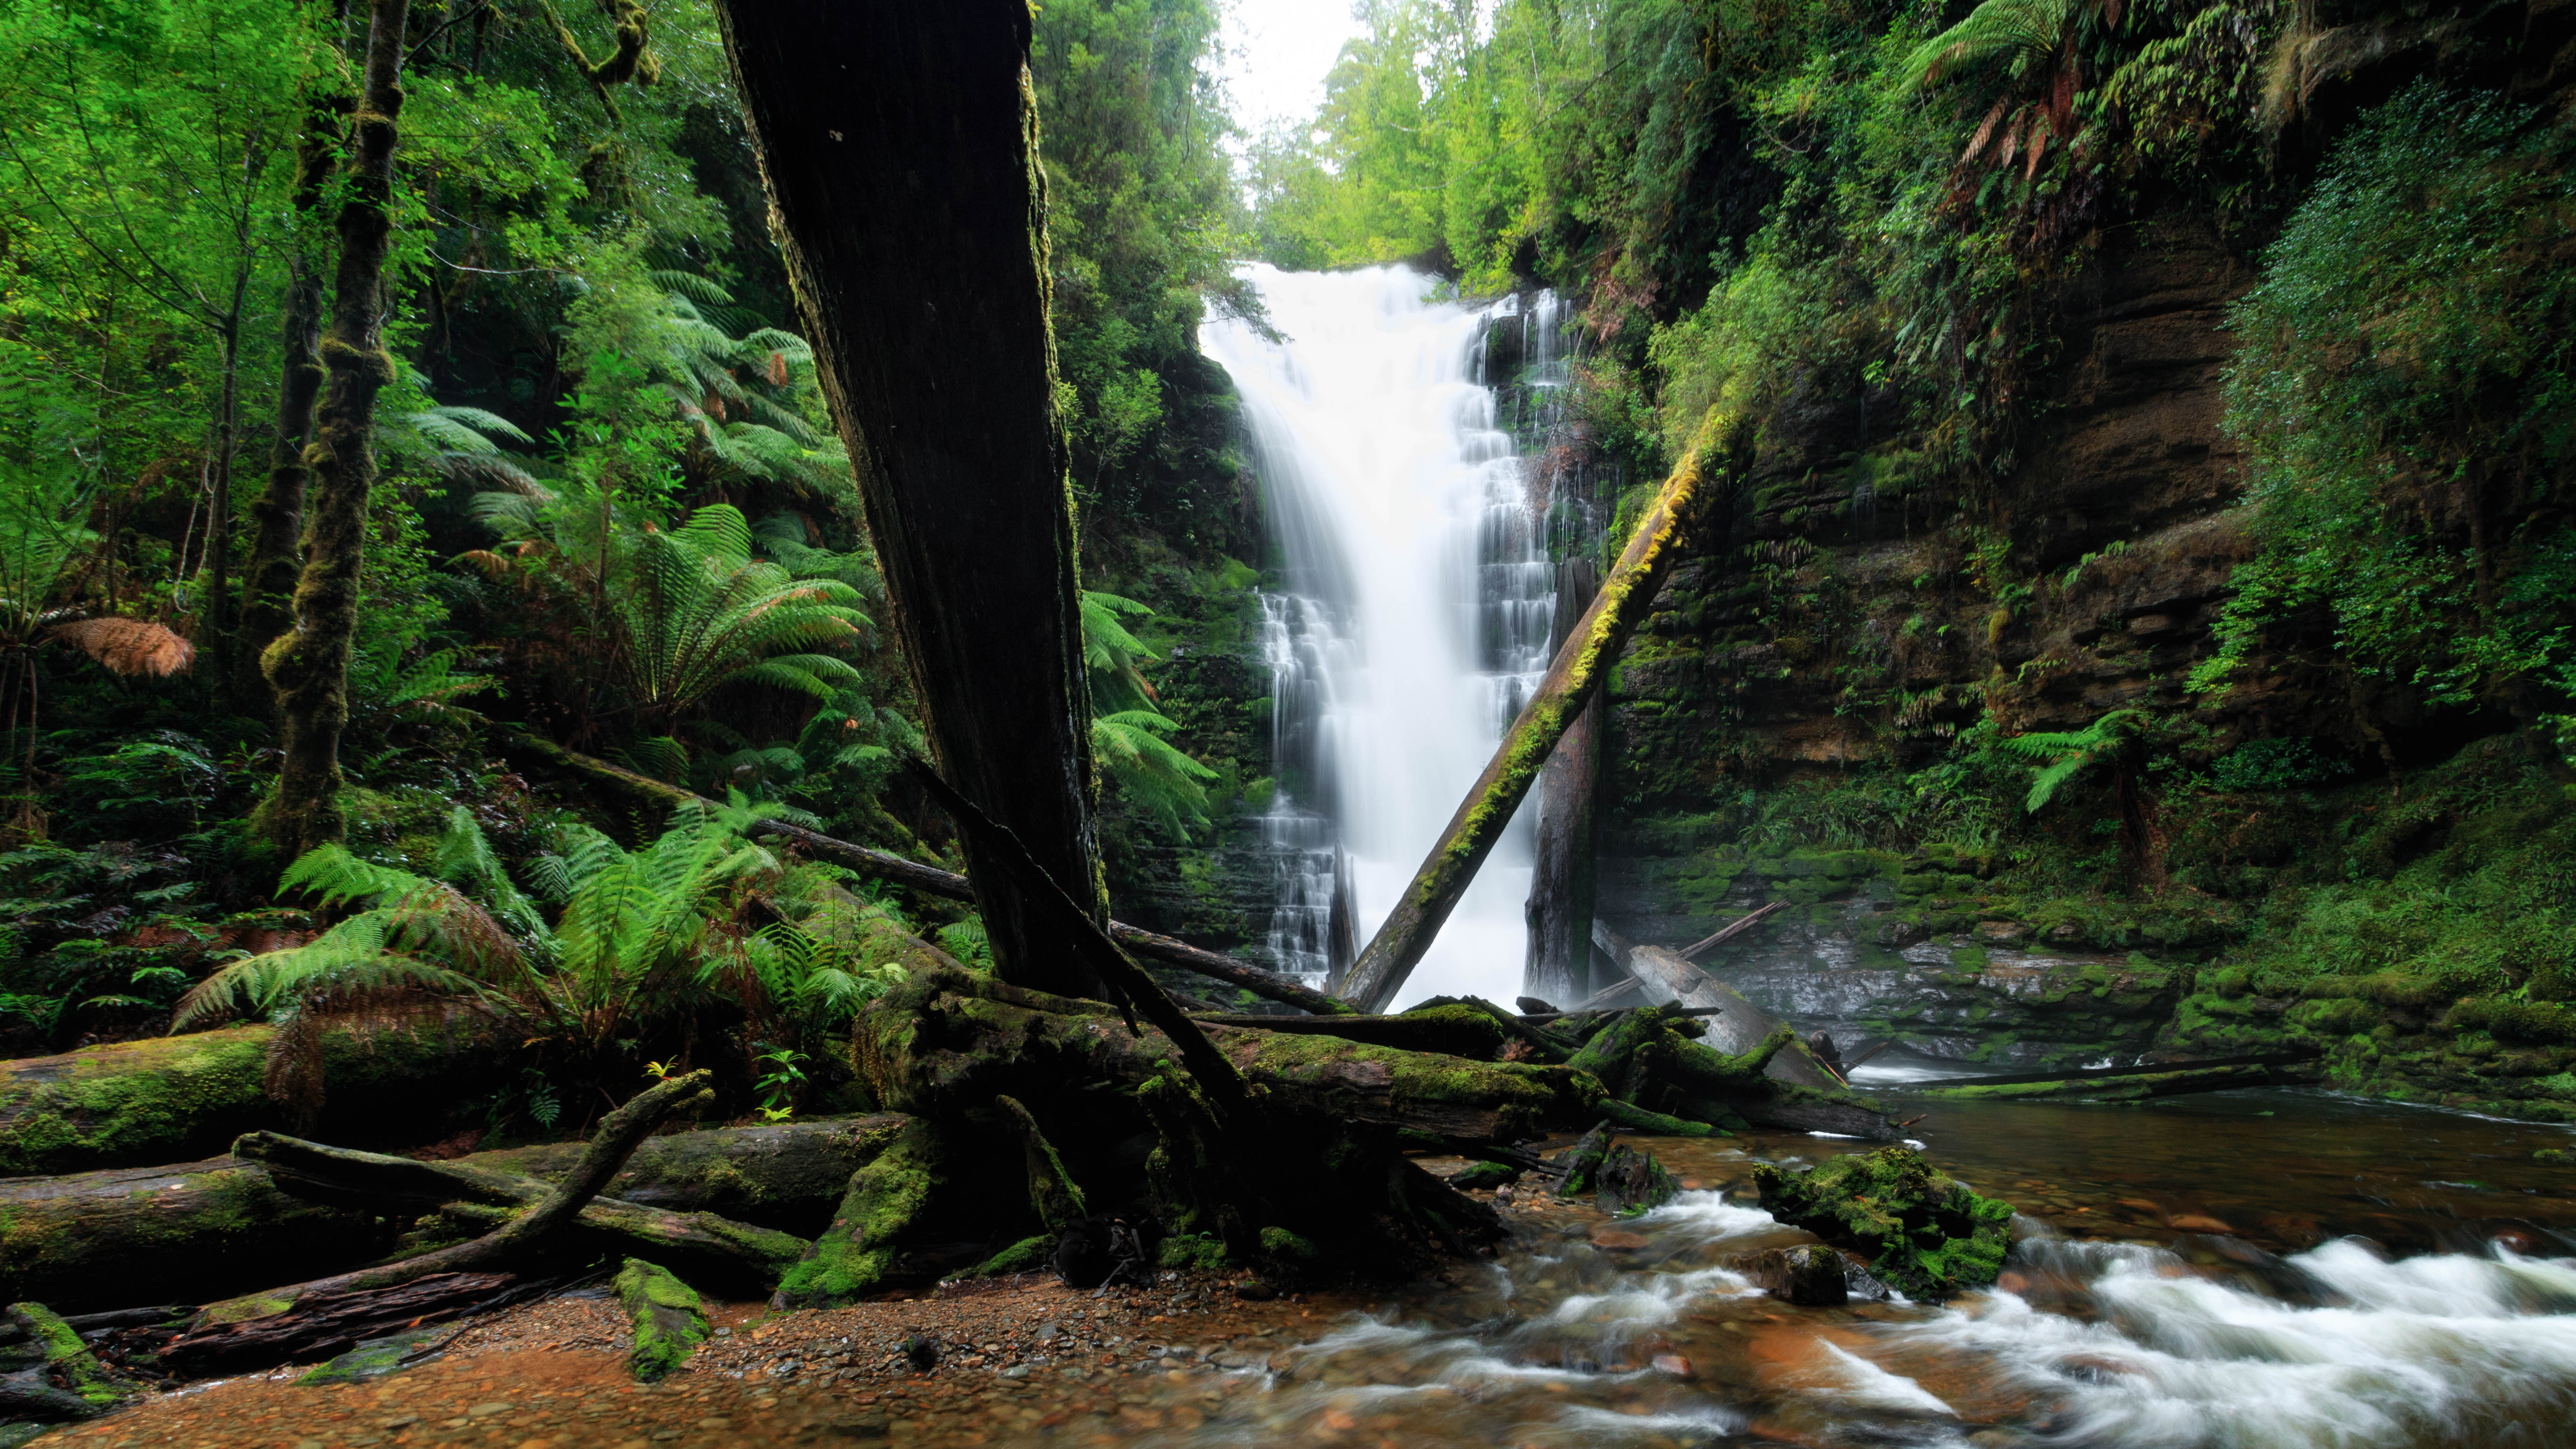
[2248, 1270]
[2270, 1268]
[1408, 621]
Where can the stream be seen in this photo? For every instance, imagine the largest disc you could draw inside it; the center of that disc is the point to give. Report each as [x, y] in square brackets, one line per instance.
[2261, 1268]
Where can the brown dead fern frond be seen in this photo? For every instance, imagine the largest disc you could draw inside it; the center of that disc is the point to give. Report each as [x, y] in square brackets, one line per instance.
[128, 646]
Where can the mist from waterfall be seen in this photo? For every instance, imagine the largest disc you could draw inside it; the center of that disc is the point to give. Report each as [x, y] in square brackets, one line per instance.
[1408, 620]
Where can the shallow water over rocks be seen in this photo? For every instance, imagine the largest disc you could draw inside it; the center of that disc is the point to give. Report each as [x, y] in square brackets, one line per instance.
[2277, 1268]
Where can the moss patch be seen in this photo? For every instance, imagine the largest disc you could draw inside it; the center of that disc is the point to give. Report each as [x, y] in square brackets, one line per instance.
[669, 1320]
[1923, 1231]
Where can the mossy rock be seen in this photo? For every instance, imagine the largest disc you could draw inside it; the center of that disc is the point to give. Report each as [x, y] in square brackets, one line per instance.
[69, 1362]
[1923, 1230]
[375, 1358]
[1193, 1250]
[669, 1319]
[1028, 1255]
[1484, 1176]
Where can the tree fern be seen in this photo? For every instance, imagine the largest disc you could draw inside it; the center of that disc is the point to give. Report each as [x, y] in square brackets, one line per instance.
[698, 612]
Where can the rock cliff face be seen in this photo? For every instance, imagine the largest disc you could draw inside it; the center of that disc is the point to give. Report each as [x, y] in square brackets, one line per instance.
[1829, 642]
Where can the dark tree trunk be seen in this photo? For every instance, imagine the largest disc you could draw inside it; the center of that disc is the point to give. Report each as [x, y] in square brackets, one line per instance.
[898, 145]
[309, 667]
[1560, 899]
[277, 516]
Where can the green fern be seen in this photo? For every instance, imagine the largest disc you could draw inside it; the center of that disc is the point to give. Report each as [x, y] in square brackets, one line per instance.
[1150, 770]
[697, 612]
[2065, 755]
[1111, 654]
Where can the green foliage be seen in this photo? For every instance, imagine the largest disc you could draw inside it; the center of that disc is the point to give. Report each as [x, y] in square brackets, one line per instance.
[1140, 213]
[1126, 730]
[2403, 395]
[641, 939]
[2115, 739]
[2276, 764]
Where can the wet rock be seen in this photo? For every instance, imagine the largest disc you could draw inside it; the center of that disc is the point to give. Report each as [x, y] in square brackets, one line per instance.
[1477, 1176]
[669, 1320]
[1630, 1182]
[1582, 1160]
[1614, 1240]
[376, 1357]
[922, 1352]
[1923, 1231]
[1810, 1276]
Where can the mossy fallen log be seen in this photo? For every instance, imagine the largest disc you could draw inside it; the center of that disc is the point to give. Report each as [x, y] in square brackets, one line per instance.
[2133, 1086]
[1321, 1174]
[669, 1319]
[946, 1044]
[202, 1231]
[1593, 646]
[312, 1318]
[181, 1098]
[470, 1201]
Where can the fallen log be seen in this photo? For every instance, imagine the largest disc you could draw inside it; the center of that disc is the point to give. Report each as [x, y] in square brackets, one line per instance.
[1317, 1174]
[930, 880]
[180, 1098]
[324, 1324]
[202, 1231]
[283, 1320]
[1735, 1024]
[473, 1201]
[1732, 929]
[2134, 1084]
[1625, 598]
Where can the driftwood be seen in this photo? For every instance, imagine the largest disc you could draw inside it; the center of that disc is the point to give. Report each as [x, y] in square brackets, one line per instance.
[2124, 1084]
[1735, 1024]
[206, 1230]
[324, 1324]
[930, 880]
[1593, 647]
[1732, 929]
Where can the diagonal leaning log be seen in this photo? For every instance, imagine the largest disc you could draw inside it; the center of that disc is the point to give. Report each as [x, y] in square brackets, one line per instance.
[930, 880]
[1625, 598]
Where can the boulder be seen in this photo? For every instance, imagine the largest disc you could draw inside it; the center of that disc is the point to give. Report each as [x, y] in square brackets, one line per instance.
[1921, 1230]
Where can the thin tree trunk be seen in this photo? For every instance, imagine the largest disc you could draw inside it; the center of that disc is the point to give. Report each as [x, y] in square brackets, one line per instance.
[309, 668]
[1625, 598]
[1561, 884]
[898, 145]
[277, 517]
[214, 631]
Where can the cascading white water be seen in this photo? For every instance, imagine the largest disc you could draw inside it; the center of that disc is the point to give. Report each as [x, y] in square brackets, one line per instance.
[1410, 620]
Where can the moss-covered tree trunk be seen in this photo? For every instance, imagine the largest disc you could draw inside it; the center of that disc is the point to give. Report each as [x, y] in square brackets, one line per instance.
[1625, 597]
[898, 144]
[1559, 968]
[309, 666]
[277, 515]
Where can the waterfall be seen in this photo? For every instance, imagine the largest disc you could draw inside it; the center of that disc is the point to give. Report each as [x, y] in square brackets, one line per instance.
[1407, 621]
